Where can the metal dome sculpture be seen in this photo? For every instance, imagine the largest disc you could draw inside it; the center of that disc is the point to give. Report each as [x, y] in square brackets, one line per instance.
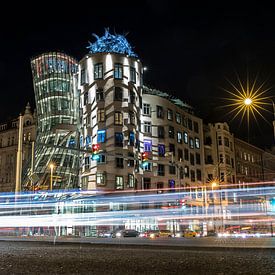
[111, 43]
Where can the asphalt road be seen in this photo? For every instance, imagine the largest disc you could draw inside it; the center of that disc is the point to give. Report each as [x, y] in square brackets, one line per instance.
[21, 257]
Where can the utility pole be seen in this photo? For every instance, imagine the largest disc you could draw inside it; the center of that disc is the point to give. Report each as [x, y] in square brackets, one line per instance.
[19, 156]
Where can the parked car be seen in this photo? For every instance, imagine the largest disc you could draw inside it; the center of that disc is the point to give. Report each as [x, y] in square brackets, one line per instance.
[156, 233]
[190, 234]
[125, 233]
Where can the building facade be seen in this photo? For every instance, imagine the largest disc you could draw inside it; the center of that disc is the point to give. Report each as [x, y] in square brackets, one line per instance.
[9, 147]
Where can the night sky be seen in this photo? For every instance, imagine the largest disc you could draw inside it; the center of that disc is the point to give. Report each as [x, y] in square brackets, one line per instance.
[189, 51]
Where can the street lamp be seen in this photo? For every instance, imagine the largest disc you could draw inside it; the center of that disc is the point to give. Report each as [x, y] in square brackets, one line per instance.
[51, 167]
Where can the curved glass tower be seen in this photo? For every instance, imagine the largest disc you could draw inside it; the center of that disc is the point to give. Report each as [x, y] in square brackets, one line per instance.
[56, 162]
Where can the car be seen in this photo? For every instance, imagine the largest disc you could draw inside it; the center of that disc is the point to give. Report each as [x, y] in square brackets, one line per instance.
[156, 234]
[190, 234]
[125, 233]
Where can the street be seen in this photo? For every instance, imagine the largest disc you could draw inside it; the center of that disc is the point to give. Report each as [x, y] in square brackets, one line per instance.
[67, 257]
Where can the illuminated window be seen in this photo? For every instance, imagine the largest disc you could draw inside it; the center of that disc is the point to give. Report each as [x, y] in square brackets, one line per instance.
[118, 118]
[100, 178]
[185, 137]
[133, 74]
[100, 115]
[99, 94]
[191, 143]
[178, 118]
[147, 166]
[101, 136]
[146, 109]
[119, 183]
[118, 72]
[179, 137]
[169, 114]
[160, 112]
[98, 71]
[197, 143]
[186, 171]
[131, 181]
[147, 145]
[147, 127]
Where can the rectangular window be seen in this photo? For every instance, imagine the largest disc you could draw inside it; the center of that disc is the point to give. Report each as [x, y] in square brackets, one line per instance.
[186, 154]
[179, 137]
[172, 148]
[132, 118]
[171, 132]
[197, 143]
[98, 71]
[131, 138]
[133, 74]
[192, 175]
[161, 150]
[192, 159]
[119, 163]
[119, 183]
[118, 94]
[146, 109]
[132, 97]
[185, 137]
[99, 94]
[118, 118]
[100, 178]
[161, 170]
[100, 115]
[226, 142]
[180, 155]
[190, 124]
[191, 143]
[186, 171]
[160, 112]
[100, 158]
[196, 127]
[159, 186]
[178, 118]
[147, 183]
[118, 72]
[82, 77]
[86, 98]
[147, 127]
[101, 136]
[86, 163]
[169, 114]
[119, 139]
[198, 158]
[147, 145]
[172, 169]
[160, 131]
[131, 181]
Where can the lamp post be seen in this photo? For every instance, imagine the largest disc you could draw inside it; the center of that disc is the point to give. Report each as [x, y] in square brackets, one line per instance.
[51, 183]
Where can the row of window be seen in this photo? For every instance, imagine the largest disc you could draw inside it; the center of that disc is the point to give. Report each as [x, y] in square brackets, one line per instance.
[179, 118]
[101, 180]
[98, 73]
[11, 140]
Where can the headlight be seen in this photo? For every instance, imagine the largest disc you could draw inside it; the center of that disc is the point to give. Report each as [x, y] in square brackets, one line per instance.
[152, 235]
[177, 235]
[118, 234]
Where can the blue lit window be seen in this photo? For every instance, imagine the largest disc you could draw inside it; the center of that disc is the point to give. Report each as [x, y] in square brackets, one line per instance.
[131, 138]
[101, 136]
[161, 150]
[81, 141]
[147, 166]
[133, 74]
[119, 139]
[118, 72]
[147, 145]
[88, 141]
[98, 71]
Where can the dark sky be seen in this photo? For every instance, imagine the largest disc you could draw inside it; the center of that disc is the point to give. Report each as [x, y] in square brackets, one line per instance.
[189, 51]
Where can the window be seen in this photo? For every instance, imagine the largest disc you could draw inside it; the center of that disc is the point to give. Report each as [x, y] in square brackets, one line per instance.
[118, 72]
[197, 143]
[101, 158]
[178, 118]
[171, 132]
[221, 158]
[159, 186]
[118, 118]
[181, 173]
[161, 150]
[161, 170]
[192, 175]
[172, 169]
[219, 140]
[131, 181]
[191, 143]
[185, 138]
[179, 137]
[86, 163]
[172, 148]
[119, 163]
[101, 136]
[186, 171]
[100, 178]
[196, 127]
[169, 114]
[147, 166]
[119, 139]
[86, 98]
[227, 159]
[146, 183]
[190, 124]
[82, 77]
[88, 141]
[180, 155]
[132, 97]
[147, 127]
[99, 94]
[146, 109]
[133, 74]
[198, 174]
[160, 113]
[119, 183]
[98, 71]
[100, 115]
[192, 159]
[198, 158]
[160, 131]
[186, 154]
[132, 118]
[226, 142]
[131, 138]
[147, 145]
[118, 94]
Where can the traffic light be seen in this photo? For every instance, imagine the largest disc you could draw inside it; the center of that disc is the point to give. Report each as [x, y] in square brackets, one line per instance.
[144, 158]
[95, 150]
